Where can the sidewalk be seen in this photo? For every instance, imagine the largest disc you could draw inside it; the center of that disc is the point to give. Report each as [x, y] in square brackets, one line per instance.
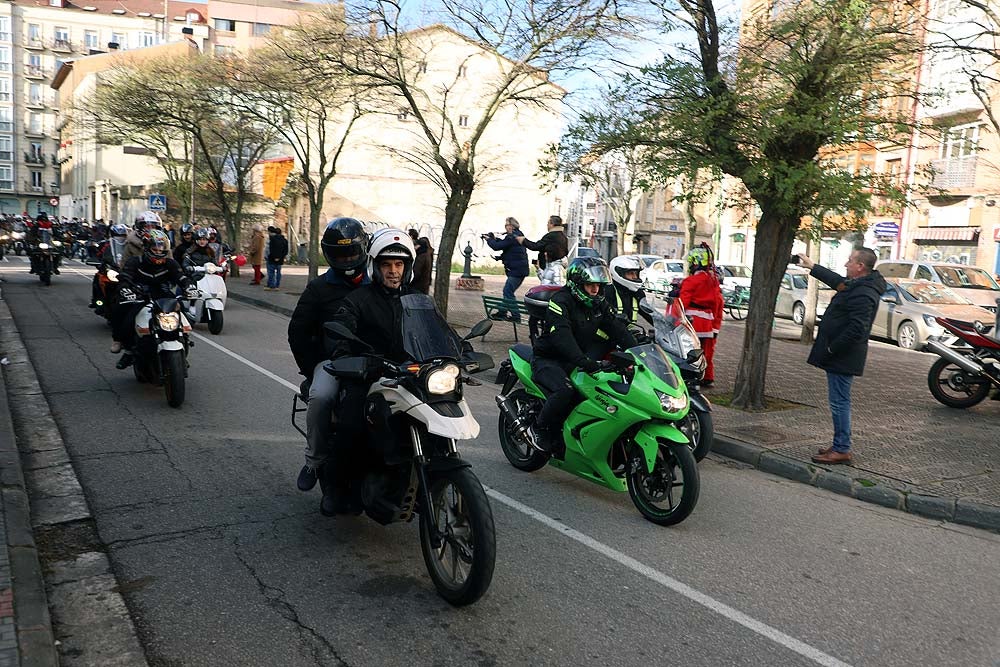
[911, 452]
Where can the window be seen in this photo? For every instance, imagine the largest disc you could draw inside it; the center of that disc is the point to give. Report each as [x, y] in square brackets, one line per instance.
[422, 67]
[4, 58]
[119, 39]
[55, 3]
[225, 25]
[34, 32]
[145, 38]
[6, 177]
[4, 28]
[35, 149]
[221, 50]
[6, 121]
[35, 93]
[959, 142]
[462, 71]
[6, 148]
[35, 123]
[403, 115]
[91, 39]
[4, 89]
[923, 273]
[62, 36]
[36, 180]
[261, 29]
[463, 121]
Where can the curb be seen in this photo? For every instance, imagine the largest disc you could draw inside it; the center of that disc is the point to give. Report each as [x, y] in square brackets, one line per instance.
[966, 512]
[88, 612]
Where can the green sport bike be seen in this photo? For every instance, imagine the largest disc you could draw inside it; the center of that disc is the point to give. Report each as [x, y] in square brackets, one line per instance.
[622, 435]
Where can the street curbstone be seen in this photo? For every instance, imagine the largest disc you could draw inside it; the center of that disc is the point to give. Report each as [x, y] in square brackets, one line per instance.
[18, 512]
[734, 449]
[975, 514]
[835, 482]
[260, 303]
[29, 590]
[880, 495]
[931, 507]
[786, 467]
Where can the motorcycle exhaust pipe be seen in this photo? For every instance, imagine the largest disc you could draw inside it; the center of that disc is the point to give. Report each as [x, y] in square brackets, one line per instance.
[960, 360]
[518, 423]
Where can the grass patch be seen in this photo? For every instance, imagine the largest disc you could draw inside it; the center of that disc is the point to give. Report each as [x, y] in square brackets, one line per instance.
[865, 482]
[476, 270]
[773, 404]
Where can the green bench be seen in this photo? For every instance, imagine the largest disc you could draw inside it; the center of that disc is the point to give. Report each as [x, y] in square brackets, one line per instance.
[494, 305]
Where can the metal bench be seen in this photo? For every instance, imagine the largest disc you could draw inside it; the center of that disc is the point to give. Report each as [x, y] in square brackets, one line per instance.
[495, 305]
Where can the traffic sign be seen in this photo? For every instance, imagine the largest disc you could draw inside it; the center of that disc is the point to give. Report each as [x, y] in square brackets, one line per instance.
[157, 202]
[54, 201]
[886, 229]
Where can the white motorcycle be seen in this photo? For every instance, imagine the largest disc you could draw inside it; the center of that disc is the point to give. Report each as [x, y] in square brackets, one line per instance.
[206, 301]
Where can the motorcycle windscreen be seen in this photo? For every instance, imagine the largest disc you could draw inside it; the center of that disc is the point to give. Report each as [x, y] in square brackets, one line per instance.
[426, 335]
[657, 362]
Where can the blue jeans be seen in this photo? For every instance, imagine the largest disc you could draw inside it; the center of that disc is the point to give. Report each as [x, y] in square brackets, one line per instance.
[839, 391]
[273, 275]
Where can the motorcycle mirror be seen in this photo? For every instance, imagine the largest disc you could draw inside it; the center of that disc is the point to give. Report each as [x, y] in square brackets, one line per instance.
[621, 359]
[481, 328]
[477, 362]
[338, 330]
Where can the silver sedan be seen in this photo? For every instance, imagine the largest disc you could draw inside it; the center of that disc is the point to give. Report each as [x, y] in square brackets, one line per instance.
[792, 296]
[906, 314]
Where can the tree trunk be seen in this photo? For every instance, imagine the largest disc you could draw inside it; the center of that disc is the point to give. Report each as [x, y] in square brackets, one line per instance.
[454, 213]
[315, 209]
[773, 245]
[621, 237]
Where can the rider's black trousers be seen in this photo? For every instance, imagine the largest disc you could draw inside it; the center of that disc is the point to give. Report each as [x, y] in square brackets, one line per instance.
[560, 395]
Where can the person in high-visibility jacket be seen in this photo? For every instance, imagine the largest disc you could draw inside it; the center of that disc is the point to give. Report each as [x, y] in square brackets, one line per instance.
[625, 291]
[702, 299]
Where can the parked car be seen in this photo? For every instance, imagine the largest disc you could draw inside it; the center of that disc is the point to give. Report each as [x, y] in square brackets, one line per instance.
[735, 274]
[792, 295]
[660, 273]
[584, 251]
[907, 310]
[975, 284]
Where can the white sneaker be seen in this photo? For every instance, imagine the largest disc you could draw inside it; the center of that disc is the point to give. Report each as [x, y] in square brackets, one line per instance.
[116, 347]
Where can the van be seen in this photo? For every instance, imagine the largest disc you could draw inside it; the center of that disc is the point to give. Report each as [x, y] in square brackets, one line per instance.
[971, 282]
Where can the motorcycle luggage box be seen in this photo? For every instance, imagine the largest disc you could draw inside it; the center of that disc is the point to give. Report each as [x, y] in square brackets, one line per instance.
[537, 299]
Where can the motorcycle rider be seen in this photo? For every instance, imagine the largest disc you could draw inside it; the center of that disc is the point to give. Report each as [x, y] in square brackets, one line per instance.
[134, 243]
[154, 271]
[187, 240]
[41, 232]
[110, 254]
[344, 244]
[702, 298]
[579, 323]
[200, 253]
[625, 292]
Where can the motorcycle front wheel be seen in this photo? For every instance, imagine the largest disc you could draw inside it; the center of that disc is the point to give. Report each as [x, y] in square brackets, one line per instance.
[215, 322]
[700, 430]
[45, 277]
[519, 453]
[173, 377]
[956, 387]
[667, 495]
[461, 566]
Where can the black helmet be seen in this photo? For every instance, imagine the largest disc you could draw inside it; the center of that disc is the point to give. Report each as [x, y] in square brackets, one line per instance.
[344, 245]
[587, 270]
[187, 228]
[200, 234]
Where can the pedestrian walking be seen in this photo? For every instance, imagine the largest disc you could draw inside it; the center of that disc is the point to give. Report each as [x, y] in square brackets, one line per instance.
[422, 266]
[841, 346]
[277, 250]
[702, 298]
[515, 264]
[256, 253]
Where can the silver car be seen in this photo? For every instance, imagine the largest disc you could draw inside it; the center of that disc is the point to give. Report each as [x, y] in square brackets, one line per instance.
[792, 296]
[906, 314]
[972, 282]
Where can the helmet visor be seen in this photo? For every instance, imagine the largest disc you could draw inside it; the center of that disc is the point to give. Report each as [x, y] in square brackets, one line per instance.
[593, 274]
[344, 257]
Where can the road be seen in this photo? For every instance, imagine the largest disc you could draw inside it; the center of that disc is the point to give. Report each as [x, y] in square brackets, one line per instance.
[222, 561]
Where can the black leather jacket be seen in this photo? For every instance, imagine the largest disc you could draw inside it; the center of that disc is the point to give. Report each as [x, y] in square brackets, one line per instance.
[571, 330]
[375, 314]
[318, 305]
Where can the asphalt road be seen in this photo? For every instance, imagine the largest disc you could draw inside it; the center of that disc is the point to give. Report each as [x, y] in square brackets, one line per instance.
[222, 561]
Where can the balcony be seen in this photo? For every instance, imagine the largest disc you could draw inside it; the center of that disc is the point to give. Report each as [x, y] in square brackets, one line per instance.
[954, 174]
[34, 158]
[34, 43]
[35, 72]
[30, 187]
[63, 45]
[34, 103]
[53, 189]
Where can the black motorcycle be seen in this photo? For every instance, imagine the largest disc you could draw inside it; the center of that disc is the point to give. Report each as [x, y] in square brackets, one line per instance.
[409, 463]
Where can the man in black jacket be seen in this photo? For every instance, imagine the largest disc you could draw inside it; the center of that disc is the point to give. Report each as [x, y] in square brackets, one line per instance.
[277, 250]
[841, 347]
[551, 247]
[578, 324]
[344, 244]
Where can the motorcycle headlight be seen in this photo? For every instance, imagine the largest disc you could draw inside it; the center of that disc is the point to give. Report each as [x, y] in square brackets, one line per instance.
[168, 321]
[18, 235]
[43, 246]
[4, 238]
[443, 380]
[671, 403]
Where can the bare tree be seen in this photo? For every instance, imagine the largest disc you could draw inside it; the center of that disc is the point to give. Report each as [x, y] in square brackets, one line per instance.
[522, 42]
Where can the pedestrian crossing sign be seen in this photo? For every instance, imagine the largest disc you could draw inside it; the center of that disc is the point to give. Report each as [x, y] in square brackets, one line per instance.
[157, 202]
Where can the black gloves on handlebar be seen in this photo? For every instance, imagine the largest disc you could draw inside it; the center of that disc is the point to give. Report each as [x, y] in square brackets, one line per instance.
[589, 366]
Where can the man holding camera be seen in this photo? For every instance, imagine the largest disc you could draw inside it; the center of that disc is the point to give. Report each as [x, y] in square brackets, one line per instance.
[841, 346]
[515, 263]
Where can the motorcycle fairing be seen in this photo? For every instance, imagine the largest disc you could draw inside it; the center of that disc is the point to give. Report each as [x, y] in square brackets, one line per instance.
[522, 368]
[457, 428]
[653, 434]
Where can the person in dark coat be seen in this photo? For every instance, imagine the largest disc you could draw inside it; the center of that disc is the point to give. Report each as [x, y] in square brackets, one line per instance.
[422, 266]
[277, 250]
[551, 247]
[841, 346]
[515, 263]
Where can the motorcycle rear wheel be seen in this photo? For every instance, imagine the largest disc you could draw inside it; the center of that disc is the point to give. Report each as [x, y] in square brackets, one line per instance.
[173, 377]
[650, 490]
[699, 428]
[462, 566]
[950, 385]
[520, 454]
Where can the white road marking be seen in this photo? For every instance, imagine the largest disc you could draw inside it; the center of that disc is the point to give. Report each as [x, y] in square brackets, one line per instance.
[668, 582]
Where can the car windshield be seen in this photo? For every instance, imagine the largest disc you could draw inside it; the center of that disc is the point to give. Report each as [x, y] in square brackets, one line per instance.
[675, 267]
[426, 335]
[968, 277]
[801, 281]
[931, 293]
[732, 271]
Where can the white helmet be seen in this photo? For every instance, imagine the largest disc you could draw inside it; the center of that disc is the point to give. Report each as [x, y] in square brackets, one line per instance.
[391, 243]
[147, 220]
[622, 264]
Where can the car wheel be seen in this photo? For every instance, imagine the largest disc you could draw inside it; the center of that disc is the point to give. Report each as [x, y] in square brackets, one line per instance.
[906, 336]
[799, 312]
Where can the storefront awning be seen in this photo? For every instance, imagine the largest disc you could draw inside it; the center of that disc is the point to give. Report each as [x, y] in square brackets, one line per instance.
[924, 234]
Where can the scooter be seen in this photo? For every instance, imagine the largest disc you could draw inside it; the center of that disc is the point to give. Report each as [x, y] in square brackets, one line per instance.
[206, 301]
[415, 416]
[623, 435]
[965, 374]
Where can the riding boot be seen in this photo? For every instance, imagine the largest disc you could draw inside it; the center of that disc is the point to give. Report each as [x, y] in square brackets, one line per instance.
[334, 491]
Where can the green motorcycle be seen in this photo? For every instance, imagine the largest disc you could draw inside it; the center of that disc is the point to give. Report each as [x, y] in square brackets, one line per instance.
[622, 435]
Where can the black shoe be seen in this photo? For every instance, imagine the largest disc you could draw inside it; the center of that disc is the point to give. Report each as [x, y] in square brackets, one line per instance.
[307, 479]
[707, 383]
[55, 271]
[124, 362]
[547, 442]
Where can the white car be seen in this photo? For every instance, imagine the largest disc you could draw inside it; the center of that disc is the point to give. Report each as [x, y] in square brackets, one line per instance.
[658, 275]
[735, 274]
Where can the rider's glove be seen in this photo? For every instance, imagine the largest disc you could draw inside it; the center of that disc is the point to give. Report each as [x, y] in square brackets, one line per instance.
[589, 366]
